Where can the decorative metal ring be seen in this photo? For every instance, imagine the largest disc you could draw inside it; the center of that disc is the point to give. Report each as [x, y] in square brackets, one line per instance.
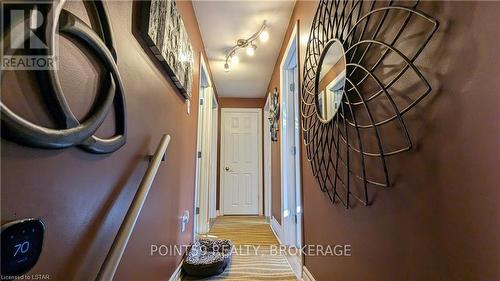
[74, 132]
[73, 26]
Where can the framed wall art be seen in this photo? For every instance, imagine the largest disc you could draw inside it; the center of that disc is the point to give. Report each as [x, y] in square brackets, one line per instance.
[163, 30]
[274, 114]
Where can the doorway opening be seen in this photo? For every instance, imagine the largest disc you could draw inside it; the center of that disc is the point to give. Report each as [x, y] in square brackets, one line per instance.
[290, 146]
[206, 155]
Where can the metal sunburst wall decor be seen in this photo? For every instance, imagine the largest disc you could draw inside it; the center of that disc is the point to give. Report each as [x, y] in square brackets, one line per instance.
[360, 78]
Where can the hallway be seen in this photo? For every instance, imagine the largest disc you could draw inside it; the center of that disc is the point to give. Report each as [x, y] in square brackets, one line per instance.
[255, 244]
[327, 140]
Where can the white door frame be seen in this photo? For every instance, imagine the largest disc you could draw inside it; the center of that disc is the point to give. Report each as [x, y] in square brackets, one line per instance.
[287, 224]
[213, 173]
[203, 176]
[267, 160]
[222, 155]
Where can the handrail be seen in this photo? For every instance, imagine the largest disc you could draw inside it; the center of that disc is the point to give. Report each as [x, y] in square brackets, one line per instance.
[108, 268]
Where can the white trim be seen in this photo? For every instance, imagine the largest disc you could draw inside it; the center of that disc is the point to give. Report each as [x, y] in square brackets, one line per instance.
[267, 163]
[198, 145]
[292, 45]
[259, 148]
[199, 225]
[177, 275]
[212, 206]
[276, 228]
[306, 275]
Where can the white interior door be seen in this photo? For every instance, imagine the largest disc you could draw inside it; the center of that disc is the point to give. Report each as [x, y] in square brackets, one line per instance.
[206, 154]
[241, 161]
[289, 147]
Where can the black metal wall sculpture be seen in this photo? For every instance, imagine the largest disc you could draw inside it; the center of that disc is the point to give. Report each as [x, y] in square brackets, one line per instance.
[381, 40]
[274, 114]
[72, 132]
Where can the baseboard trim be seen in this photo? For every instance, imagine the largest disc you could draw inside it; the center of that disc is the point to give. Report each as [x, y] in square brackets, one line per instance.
[177, 275]
[306, 275]
[276, 228]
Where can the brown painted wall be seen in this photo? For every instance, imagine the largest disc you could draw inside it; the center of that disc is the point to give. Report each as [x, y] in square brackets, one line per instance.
[241, 102]
[82, 197]
[233, 103]
[441, 218]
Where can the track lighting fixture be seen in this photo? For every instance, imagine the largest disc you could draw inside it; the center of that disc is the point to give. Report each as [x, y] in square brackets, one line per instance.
[248, 44]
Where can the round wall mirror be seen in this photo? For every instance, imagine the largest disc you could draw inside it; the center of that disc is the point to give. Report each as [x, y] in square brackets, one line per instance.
[330, 80]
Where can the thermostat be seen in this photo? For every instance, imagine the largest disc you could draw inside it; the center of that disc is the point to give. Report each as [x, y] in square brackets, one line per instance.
[22, 242]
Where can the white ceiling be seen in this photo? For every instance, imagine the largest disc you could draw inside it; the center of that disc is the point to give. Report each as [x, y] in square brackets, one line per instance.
[223, 22]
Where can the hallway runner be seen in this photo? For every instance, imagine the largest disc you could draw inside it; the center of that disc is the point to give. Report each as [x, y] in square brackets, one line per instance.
[257, 257]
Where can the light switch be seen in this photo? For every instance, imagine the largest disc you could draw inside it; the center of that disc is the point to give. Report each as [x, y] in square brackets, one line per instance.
[184, 220]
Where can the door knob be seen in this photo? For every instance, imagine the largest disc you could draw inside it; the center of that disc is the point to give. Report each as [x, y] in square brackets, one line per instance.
[227, 169]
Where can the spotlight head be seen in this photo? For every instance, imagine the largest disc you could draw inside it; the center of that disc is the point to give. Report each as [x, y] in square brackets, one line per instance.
[234, 60]
[264, 36]
[251, 50]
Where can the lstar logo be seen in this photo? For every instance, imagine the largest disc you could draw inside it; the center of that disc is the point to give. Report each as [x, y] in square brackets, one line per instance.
[24, 45]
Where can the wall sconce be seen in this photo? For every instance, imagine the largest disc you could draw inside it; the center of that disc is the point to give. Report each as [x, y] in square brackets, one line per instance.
[248, 44]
